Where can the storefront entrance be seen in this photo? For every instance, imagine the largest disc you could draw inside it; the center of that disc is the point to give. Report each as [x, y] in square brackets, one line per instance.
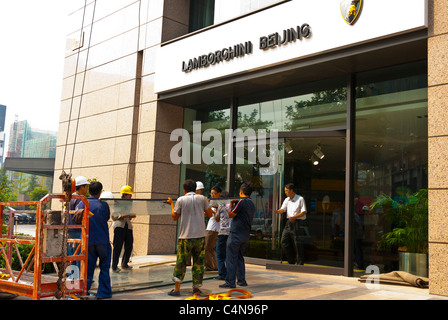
[314, 161]
[372, 130]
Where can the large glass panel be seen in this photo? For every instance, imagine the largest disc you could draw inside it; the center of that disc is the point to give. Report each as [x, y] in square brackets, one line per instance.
[308, 106]
[205, 147]
[391, 155]
[264, 183]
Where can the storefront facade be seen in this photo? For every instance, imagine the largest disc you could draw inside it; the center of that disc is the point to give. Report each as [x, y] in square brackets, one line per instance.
[342, 104]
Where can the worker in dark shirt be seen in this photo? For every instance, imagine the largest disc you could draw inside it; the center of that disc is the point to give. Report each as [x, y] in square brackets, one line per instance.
[99, 243]
[242, 212]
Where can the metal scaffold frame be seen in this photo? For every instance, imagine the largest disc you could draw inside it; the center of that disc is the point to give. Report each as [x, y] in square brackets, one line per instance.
[34, 283]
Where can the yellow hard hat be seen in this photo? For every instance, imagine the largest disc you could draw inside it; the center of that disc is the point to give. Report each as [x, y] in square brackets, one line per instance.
[126, 190]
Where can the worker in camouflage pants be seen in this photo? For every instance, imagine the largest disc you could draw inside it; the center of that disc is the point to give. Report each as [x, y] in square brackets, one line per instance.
[184, 248]
[190, 208]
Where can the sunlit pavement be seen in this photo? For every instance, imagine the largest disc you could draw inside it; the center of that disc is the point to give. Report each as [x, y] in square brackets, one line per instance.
[150, 279]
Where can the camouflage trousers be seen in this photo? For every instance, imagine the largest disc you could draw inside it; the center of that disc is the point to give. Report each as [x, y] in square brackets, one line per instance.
[185, 247]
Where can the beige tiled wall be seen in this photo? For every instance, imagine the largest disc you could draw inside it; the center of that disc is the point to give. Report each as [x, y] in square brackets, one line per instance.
[437, 146]
[98, 104]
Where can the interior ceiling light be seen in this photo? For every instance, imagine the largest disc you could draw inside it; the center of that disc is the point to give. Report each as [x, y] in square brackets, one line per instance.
[288, 148]
[318, 152]
[314, 160]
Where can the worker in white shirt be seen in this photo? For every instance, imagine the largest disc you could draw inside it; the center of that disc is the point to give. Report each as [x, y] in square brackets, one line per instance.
[295, 209]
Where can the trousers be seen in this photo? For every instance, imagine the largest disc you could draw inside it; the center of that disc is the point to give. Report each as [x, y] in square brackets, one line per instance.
[195, 247]
[103, 253]
[221, 247]
[291, 244]
[210, 260]
[236, 269]
[122, 236]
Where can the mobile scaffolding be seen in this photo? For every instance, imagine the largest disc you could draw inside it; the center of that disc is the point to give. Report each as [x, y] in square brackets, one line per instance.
[49, 245]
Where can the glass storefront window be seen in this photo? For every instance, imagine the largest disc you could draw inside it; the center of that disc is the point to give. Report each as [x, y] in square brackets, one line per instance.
[391, 157]
[310, 106]
[206, 125]
[391, 152]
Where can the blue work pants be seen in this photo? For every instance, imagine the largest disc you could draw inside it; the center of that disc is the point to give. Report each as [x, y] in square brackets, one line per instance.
[221, 247]
[102, 252]
[236, 247]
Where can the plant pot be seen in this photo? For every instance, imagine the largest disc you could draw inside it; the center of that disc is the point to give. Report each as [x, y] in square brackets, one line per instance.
[414, 263]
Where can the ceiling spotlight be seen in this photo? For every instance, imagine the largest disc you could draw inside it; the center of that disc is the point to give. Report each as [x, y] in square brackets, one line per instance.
[314, 160]
[318, 152]
[288, 148]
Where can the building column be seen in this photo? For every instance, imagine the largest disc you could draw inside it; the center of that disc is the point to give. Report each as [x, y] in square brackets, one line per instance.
[437, 145]
[156, 177]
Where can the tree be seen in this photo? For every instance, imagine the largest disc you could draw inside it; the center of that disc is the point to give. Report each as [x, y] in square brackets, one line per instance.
[5, 187]
[32, 184]
[38, 193]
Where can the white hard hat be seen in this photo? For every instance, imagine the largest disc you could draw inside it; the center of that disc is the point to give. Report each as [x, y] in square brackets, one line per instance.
[106, 195]
[199, 185]
[80, 181]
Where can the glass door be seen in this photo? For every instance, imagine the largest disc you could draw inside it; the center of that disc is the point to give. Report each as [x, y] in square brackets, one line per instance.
[315, 165]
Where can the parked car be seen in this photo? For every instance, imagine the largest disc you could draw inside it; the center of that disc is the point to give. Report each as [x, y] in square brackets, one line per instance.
[21, 218]
[30, 218]
[6, 217]
[261, 228]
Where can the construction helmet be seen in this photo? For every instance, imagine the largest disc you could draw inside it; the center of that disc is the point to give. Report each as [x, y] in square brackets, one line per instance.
[199, 185]
[106, 195]
[80, 181]
[126, 190]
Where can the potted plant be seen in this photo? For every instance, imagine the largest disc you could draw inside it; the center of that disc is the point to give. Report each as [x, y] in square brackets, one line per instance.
[409, 219]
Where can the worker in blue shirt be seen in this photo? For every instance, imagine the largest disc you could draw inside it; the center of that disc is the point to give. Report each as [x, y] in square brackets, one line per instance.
[242, 212]
[99, 243]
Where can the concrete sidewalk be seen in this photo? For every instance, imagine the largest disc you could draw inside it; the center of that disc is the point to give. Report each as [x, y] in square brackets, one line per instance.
[266, 284]
[150, 279]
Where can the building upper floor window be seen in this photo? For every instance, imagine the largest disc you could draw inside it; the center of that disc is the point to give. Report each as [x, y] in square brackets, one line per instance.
[204, 13]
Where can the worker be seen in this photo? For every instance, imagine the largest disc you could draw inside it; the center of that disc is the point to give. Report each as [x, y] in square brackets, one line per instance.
[99, 243]
[123, 235]
[81, 188]
[199, 187]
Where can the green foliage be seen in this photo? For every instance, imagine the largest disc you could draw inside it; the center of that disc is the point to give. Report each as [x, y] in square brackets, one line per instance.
[38, 193]
[321, 102]
[409, 216]
[253, 121]
[24, 250]
[5, 187]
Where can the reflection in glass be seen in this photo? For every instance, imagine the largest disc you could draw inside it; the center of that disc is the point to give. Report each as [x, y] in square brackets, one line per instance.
[322, 186]
[391, 151]
[205, 124]
[311, 106]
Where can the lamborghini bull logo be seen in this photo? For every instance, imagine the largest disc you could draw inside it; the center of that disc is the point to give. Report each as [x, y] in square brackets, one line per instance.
[350, 10]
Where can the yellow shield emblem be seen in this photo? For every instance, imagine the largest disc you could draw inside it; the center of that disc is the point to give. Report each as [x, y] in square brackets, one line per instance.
[350, 10]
